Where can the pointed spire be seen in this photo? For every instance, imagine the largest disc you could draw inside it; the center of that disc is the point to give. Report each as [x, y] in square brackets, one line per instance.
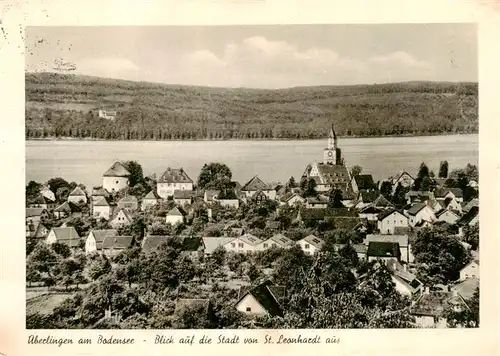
[333, 133]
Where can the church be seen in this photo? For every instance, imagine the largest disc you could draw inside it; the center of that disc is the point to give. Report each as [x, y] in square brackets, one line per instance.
[332, 173]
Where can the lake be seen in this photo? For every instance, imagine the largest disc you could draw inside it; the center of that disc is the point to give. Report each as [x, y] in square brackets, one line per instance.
[86, 161]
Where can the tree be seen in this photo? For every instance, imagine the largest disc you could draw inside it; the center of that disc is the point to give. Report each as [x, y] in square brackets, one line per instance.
[356, 170]
[62, 194]
[292, 183]
[471, 236]
[136, 174]
[62, 250]
[443, 169]
[335, 200]
[98, 266]
[215, 176]
[308, 187]
[56, 183]
[32, 190]
[441, 256]
[386, 189]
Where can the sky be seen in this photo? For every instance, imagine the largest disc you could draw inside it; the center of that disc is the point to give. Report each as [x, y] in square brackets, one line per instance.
[270, 57]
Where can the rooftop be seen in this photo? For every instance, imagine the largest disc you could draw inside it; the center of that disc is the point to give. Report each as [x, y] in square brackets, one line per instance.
[117, 170]
[174, 175]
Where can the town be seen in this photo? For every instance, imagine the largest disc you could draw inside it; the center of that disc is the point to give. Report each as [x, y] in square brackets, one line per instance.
[333, 249]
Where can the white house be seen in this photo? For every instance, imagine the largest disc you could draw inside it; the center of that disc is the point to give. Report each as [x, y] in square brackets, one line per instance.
[316, 202]
[210, 244]
[95, 239]
[175, 216]
[171, 180]
[115, 178]
[150, 200]
[254, 185]
[388, 220]
[183, 197]
[243, 243]
[470, 271]
[121, 217]
[310, 244]
[263, 299]
[46, 192]
[404, 178]
[420, 212]
[77, 196]
[294, 200]
[113, 245]
[101, 209]
[278, 241]
[63, 235]
[447, 216]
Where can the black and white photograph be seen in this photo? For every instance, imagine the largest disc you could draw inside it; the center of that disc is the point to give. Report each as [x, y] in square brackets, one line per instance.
[313, 176]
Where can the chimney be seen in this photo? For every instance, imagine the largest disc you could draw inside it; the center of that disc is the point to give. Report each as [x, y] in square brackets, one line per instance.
[405, 267]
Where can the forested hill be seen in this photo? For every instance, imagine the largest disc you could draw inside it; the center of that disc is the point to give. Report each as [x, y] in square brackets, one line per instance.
[67, 106]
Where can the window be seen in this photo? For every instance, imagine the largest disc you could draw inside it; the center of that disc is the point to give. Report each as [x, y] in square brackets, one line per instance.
[116, 182]
[274, 245]
[248, 309]
[233, 244]
[240, 245]
[265, 245]
[306, 246]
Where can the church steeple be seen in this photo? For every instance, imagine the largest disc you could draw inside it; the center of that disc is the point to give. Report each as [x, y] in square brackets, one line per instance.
[332, 139]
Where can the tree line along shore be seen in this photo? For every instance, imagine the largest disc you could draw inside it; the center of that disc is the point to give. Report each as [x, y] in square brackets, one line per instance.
[69, 106]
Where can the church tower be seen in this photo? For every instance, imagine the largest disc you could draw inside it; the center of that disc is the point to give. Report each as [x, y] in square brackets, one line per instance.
[331, 154]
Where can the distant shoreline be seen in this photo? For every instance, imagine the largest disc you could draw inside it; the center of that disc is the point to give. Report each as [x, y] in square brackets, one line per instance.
[246, 139]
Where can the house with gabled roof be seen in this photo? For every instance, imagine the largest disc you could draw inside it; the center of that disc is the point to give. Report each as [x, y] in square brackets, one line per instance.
[404, 179]
[36, 215]
[471, 270]
[94, 240]
[175, 216]
[429, 308]
[121, 217]
[115, 178]
[405, 283]
[447, 216]
[402, 241]
[150, 200]
[384, 251]
[263, 299]
[318, 202]
[46, 192]
[151, 243]
[420, 212]
[294, 199]
[98, 193]
[183, 197]
[41, 201]
[129, 203]
[370, 212]
[364, 182]
[275, 241]
[472, 203]
[171, 180]
[210, 244]
[101, 208]
[67, 209]
[388, 220]
[366, 198]
[64, 235]
[310, 244]
[243, 243]
[256, 185]
[38, 231]
[77, 196]
[113, 245]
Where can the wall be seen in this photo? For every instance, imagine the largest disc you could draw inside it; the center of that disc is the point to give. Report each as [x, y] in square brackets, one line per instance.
[101, 212]
[90, 244]
[174, 219]
[113, 184]
[166, 190]
[249, 301]
[387, 225]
